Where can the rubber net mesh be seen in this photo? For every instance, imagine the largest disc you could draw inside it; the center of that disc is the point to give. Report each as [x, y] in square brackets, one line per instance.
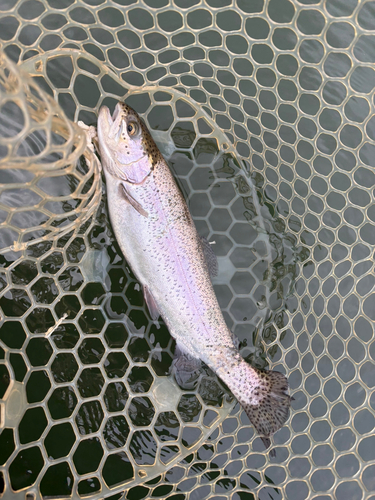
[264, 111]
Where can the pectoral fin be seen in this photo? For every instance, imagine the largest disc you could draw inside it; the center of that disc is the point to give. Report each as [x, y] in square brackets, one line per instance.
[134, 203]
[151, 304]
[210, 257]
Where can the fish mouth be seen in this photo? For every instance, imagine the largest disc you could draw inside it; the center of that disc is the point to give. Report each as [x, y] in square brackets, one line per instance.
[106, 114]
[107, 128]
[111, 125]
[104, 121]
[115, 112]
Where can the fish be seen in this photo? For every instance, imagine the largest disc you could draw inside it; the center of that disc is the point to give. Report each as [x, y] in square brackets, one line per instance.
[156, 233]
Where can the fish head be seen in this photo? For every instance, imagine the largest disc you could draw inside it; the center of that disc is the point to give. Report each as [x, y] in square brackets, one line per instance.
[126, 147]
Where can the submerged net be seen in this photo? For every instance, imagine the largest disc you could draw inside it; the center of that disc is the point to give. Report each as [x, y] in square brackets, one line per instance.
[264, 111]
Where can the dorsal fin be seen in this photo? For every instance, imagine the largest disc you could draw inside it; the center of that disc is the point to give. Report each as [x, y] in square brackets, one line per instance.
[211, 259]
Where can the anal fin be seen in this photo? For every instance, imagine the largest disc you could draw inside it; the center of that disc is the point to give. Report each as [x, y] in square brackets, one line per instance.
[151, 304]
[186, 369]
[134, 203]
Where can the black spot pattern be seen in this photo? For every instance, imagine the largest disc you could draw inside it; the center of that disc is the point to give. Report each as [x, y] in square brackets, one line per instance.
[165, 253]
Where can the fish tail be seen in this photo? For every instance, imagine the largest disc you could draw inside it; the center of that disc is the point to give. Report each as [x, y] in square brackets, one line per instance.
[263, 396]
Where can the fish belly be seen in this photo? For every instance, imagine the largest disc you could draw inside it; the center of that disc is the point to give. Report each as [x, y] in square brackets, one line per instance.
[164, 251]
[165, 254]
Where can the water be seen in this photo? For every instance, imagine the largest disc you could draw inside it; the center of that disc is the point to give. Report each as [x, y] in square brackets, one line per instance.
[295, 282]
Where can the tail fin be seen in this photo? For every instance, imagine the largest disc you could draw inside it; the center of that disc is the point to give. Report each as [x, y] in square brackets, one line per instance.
[272, 411]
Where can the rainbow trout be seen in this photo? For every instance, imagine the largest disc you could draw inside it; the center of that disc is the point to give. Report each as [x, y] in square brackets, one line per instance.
[158, 238]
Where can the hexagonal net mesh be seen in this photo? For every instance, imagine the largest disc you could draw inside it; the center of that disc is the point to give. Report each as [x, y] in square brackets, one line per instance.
[264, 111]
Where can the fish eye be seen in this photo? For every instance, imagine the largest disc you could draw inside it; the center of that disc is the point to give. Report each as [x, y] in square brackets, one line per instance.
[132, 128]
